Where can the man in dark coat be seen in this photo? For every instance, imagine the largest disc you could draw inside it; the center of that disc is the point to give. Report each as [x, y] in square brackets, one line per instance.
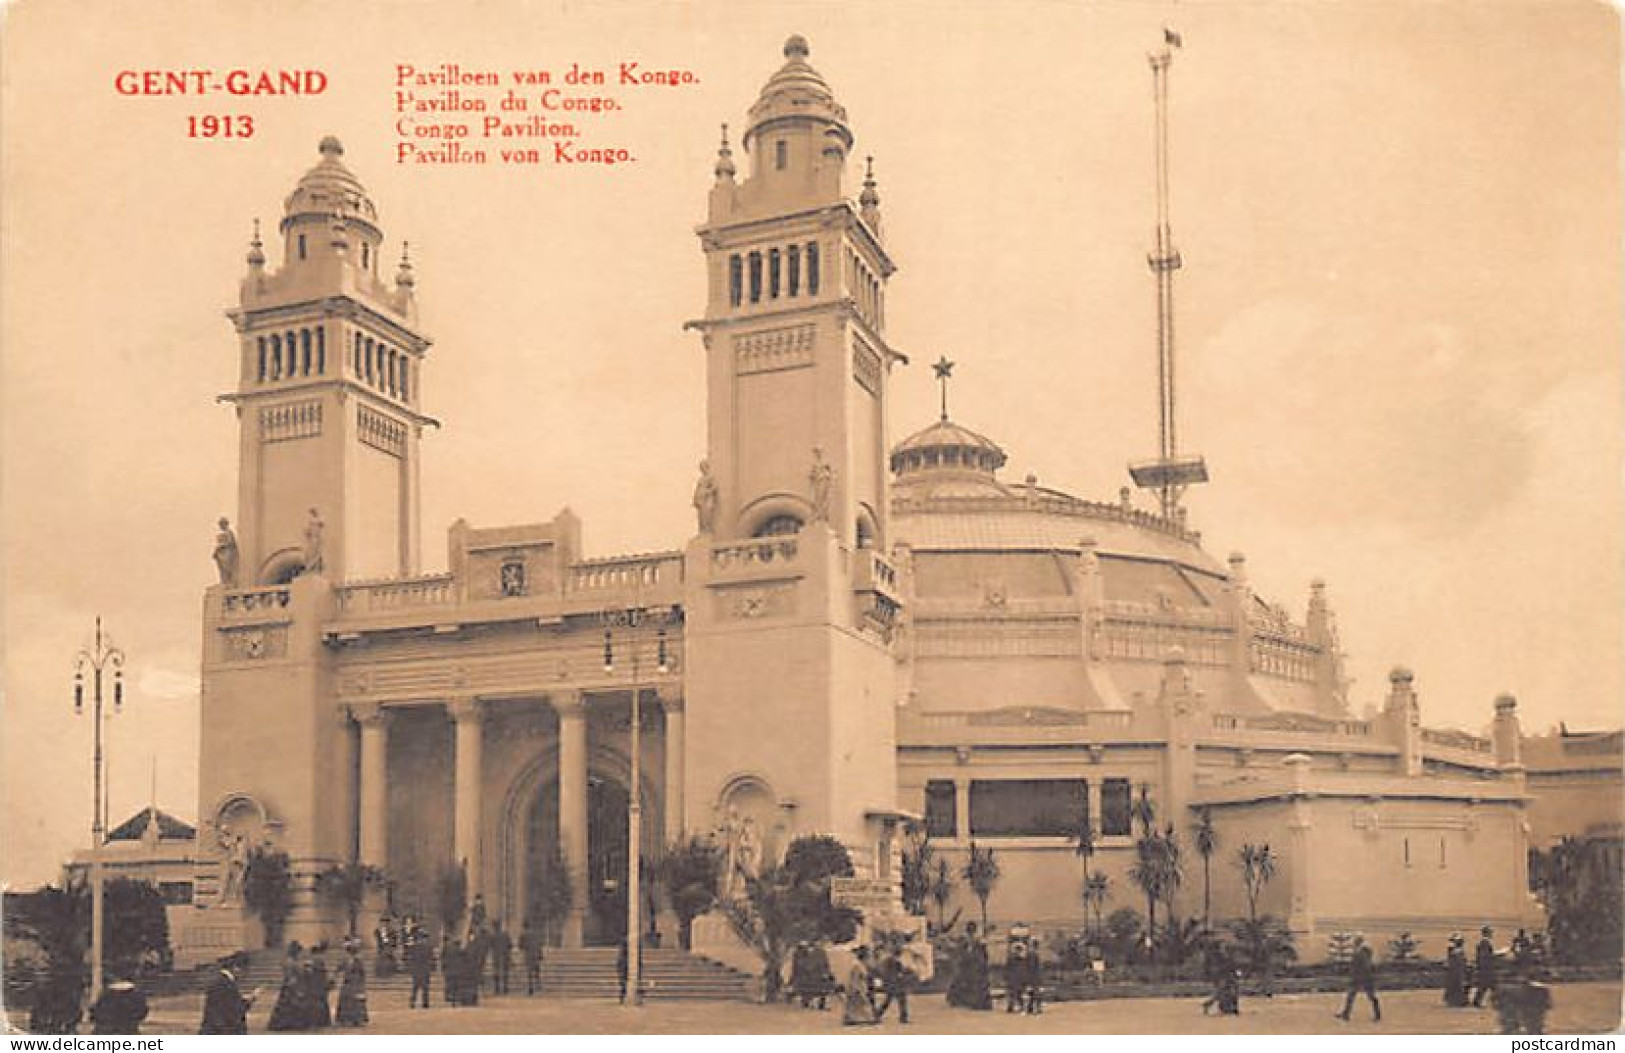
[1484, 966]
[530, 948]
[420, 960]
[120, 1010]
[1455, 972]
[1362, 979]
[894, 984]
[225, 1009]
[501, 958]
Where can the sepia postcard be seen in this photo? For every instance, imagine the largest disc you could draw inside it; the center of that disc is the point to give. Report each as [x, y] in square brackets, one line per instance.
[1020, 518]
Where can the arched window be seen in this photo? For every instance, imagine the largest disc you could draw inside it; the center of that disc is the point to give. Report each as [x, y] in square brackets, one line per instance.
[736, 280]
[276, 357]
[779, 526]
[366, 256]
[795, 269]
[812, 268]
[360, 370]
[865, 531]
[262, 359]
[773, 274]
[406, 370]
[321, 350]
[370, 357]
[756, 277]
[301, 246]
[304, 352]
[781, 154]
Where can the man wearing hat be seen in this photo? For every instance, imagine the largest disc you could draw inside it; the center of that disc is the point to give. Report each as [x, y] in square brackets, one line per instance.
[1484, 966]
[225, 1009]
[1455, 971]
[1362, 978]
[119, 1010]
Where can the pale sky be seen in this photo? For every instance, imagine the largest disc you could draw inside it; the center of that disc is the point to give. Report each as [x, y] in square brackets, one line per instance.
[1399, 321]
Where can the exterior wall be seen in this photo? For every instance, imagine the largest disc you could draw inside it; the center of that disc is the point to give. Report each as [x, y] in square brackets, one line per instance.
[271, 730]
[1364, 882]
[1576, 786]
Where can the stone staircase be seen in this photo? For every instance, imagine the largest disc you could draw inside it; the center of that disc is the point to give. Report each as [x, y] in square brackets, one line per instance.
[668, 975]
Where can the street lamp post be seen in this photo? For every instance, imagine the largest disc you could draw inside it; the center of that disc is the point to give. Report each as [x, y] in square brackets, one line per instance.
[631, 619]
[102, 657]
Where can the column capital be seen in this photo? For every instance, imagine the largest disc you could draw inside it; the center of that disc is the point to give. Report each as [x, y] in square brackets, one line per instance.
[569, 702]
[465, 708]
[368, 713]
[670, 697]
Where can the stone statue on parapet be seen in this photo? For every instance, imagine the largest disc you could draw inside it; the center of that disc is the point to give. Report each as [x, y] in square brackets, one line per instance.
[225, 553]
[750, 849]
[732, 887]
[822, 478]
[706, 499]
[236, 849]
[313, 543]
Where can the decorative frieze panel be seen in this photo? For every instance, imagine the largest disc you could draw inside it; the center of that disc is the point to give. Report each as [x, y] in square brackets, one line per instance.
[380, 432]
[1152, 640]
[998, 638]
[1283, 657]
[291, 420]
[866, 365]
[787, 348]
[753, 602]
[254, 643]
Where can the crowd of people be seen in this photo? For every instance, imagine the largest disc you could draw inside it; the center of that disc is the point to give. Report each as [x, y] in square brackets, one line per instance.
[880, 976]
[304, 1000]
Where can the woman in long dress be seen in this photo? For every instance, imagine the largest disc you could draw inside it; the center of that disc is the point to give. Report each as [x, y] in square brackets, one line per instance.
[859, 1007]
[352, 1010]
[292, 1011]
[1455, 972]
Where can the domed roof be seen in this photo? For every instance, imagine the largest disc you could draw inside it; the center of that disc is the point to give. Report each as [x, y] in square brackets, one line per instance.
[796, 91]
[330, 189]
[947, 446]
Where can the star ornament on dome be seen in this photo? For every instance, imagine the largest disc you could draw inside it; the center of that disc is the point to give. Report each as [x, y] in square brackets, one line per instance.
[944, 370]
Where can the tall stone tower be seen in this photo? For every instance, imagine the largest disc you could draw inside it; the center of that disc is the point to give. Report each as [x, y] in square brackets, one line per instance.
[791, 600]
[328, 391]
[329, 427]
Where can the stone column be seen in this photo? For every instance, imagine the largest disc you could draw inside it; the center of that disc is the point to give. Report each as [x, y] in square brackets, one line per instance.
[675, 822]
[469, 718]
[373, 820]
[572, 711]
[962, 831]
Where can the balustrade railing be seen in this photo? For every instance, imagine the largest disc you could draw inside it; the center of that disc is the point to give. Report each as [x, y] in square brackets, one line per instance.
[760, 552]
[1055, 504]
[874, 571]
[253, 601]
[368, 597]
[1293, 724]
[625, 572]
[1461, 740]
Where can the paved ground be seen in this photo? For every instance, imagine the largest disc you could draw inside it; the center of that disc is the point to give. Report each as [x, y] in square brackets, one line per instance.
[1579, 1008]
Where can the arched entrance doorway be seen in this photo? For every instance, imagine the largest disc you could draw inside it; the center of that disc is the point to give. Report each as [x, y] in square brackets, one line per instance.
[607, 802]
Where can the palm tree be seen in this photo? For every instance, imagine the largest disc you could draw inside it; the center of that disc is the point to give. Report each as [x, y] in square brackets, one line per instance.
[1084, 845]
[1207, 842]
[941, 889]
[981, 873]
[1257, 864]
[1144, 811]
[1148, 870]
[1095, 891]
